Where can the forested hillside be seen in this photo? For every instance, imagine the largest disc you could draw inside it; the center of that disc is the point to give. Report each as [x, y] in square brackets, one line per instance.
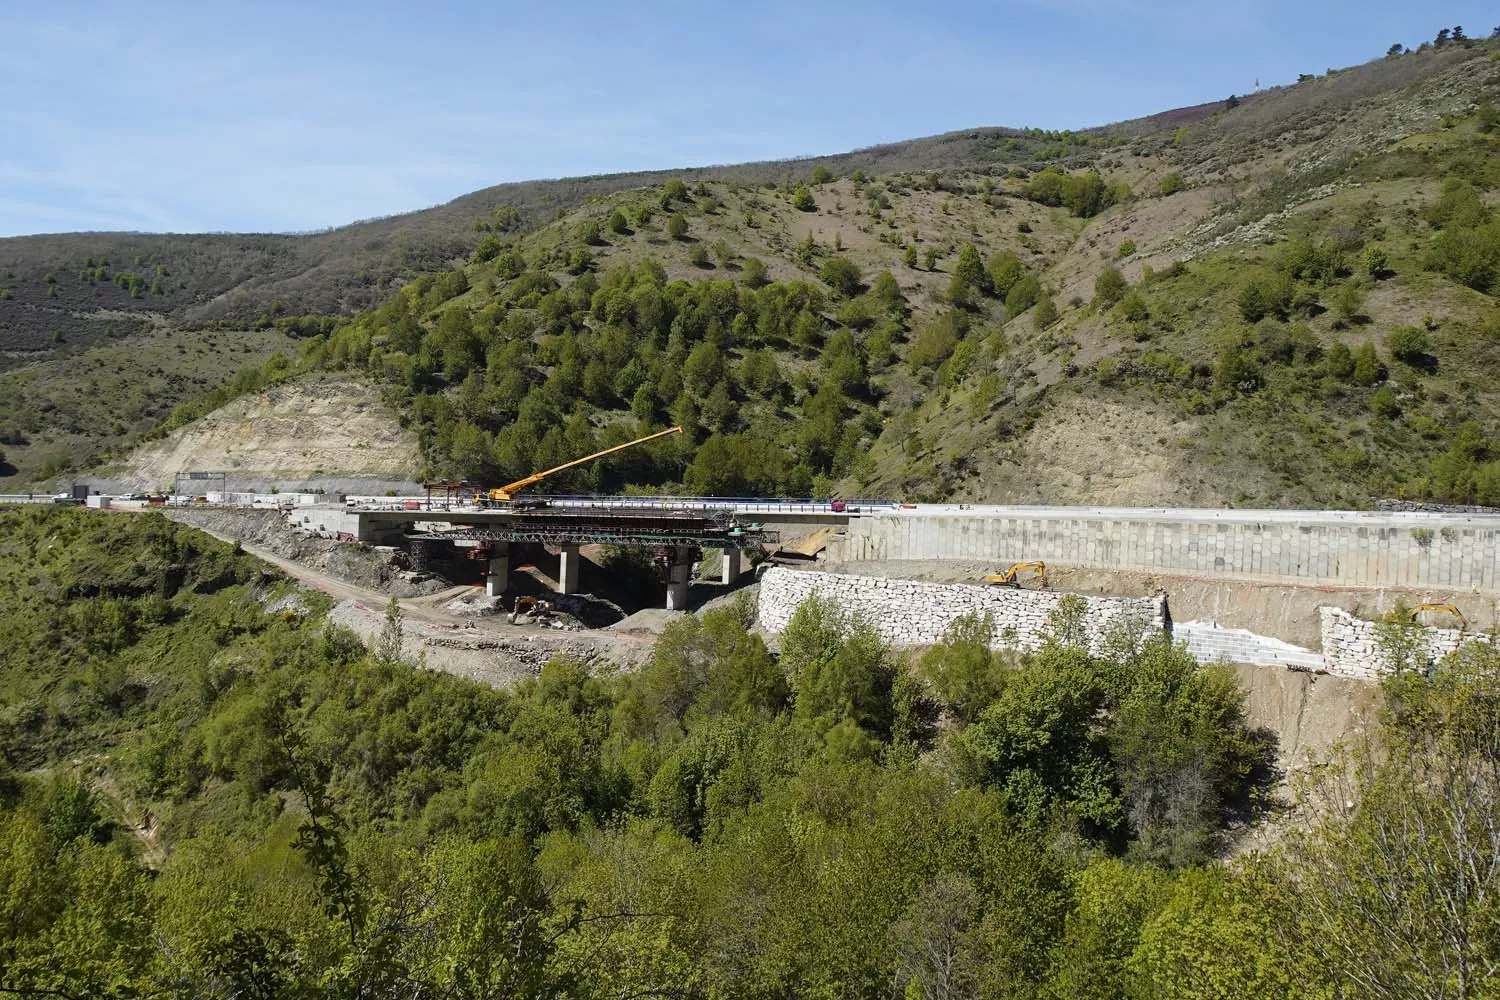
[1289, 302]
[1279, 298]
[208, 792]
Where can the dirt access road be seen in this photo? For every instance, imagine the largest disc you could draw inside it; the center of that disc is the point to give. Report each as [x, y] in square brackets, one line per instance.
[490, 651]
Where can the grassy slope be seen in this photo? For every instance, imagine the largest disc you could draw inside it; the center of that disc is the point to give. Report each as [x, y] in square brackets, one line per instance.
[71, 412]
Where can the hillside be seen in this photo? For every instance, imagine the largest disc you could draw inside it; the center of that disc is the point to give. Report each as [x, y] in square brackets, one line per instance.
[1285, 301]
[77, 297]
[1105, 343]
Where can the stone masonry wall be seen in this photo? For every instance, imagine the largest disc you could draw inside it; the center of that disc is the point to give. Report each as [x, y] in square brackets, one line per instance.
[910, 613]
[1352, 646]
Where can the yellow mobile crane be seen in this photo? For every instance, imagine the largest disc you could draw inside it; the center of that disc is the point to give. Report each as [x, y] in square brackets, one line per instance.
[506, 494]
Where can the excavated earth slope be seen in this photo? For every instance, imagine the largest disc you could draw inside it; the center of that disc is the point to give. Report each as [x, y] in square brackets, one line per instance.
[331, 429]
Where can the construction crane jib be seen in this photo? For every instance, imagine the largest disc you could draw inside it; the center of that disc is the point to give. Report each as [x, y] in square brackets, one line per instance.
[504, 494]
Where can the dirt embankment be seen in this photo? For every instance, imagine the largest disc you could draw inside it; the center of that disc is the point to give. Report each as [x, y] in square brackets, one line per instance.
[358, 565]
[1309, 714]
[332, 430]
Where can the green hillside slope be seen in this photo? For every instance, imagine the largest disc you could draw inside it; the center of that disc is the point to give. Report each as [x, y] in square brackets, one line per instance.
[1289, 301]
[1280, 298]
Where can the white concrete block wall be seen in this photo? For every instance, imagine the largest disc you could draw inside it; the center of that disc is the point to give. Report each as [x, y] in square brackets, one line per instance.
[1312, 547]
[912, 613]
[1211, 643]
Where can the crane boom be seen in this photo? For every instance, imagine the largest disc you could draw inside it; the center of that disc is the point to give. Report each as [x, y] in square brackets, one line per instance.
[508, 492]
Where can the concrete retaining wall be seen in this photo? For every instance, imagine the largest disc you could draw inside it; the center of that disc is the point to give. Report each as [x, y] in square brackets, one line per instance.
[1352, 647]
[1212, 643]
[910, 613]
[1454, 551]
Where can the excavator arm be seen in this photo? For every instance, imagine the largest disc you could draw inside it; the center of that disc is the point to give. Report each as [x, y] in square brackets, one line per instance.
[509, 491]
[1011, 577]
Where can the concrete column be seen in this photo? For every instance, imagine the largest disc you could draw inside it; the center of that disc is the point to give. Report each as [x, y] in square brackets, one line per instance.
[497, 580]
[677, 581]
[731, 566]
[567, 570]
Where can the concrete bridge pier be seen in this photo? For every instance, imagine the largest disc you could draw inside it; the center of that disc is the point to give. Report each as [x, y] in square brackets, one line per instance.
[731, 565]
[497, 578]
[568, 565]
[677, 578]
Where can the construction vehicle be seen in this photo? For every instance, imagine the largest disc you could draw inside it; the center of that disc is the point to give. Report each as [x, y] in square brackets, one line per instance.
[1011, 577]
[504, 495]
[528, 605]
[1463, 623]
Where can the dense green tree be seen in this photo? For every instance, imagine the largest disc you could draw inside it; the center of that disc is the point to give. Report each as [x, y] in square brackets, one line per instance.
[803, 201]
[754, 273]
[842, 275]
[969, 276]
[887, 292]
[1024, 294]
[1408, 344]
[965, 675]
[1109, 287]
[839, 670]
[1368, 369]
[1046, 313]
[1005, 270]
[677, 225]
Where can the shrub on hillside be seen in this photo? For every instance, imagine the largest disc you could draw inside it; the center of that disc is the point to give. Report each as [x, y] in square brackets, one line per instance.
[842, 275]
[1023, 295]
[1045, 314]
[1134, 307]
[1084, 195]
[1470, 256]
[1408, 344]
[1266, 294]
[935, 341]
[1368, 369]
[1005, 270]
[1109, 287]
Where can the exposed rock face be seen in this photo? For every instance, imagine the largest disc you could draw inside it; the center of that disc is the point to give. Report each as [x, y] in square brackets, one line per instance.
[333, 430]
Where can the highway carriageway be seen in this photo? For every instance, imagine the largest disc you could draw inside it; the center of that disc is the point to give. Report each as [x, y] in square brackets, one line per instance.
[744, 509]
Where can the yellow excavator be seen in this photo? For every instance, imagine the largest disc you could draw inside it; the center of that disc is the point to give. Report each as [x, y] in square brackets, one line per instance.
[1011, 577]
[506, 494]
[1463, 623]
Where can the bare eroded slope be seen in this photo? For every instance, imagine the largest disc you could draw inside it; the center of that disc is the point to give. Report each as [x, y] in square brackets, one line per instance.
[329, 428]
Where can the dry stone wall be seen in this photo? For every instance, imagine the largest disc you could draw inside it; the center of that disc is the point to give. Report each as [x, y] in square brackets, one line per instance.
[911, 613]
[1352, 647]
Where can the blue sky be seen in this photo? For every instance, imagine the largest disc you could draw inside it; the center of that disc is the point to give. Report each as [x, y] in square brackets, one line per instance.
[294, 116]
